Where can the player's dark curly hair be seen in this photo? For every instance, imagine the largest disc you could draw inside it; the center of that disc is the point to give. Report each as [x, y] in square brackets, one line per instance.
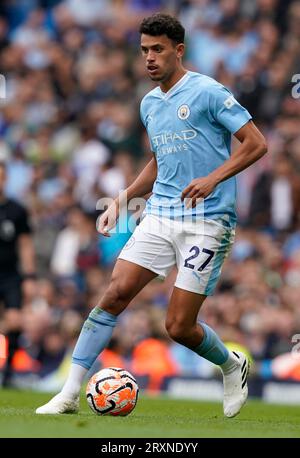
[163, 24]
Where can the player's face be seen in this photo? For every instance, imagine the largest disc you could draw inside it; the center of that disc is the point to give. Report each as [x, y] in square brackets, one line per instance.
[162, 56]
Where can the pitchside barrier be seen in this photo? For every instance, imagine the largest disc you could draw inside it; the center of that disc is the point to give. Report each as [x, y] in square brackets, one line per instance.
[273, 391]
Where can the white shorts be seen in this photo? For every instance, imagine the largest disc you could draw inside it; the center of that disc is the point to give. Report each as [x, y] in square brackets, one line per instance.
[197, 249]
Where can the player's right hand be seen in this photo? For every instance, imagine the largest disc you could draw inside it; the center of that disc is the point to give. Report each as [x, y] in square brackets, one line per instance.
[108, 219]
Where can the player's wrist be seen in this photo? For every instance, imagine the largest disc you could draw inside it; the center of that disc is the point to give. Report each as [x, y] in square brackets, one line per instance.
[215, 178]
[121, 200]
[116, 203]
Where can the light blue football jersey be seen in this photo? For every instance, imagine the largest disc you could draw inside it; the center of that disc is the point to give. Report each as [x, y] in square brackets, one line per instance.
[189, 129]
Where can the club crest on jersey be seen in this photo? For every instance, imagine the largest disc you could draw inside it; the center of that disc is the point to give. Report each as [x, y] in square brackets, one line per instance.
[183, 112]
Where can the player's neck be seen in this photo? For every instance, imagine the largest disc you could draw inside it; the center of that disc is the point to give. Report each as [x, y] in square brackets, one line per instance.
[165, 86]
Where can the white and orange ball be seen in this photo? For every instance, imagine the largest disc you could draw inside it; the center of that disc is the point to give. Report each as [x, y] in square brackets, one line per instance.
[112, 391]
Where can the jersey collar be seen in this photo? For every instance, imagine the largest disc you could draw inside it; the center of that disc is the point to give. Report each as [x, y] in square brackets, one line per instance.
[179, 84]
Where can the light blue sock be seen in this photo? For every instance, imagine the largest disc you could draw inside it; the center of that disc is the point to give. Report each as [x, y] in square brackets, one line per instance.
[211, 347]
[94, 337]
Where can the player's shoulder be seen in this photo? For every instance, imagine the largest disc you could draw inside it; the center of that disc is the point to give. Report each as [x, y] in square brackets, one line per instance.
[150, 97]
[147, 103]
[15, 207]
[204, 83]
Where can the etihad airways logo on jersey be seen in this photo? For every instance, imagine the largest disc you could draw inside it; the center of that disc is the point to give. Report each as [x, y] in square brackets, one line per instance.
[171, 137]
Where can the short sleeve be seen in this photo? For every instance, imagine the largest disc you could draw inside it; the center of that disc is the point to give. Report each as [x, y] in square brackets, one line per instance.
[142, 112]
[23, 226]
[226, 110]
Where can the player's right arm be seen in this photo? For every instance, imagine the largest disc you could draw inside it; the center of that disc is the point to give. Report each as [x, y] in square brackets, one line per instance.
[141, 186]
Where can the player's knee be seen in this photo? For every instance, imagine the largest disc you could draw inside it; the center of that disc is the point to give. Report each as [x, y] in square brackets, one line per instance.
[177, 330]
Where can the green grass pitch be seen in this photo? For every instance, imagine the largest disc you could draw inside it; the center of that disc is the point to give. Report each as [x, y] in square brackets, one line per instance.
[152, 417]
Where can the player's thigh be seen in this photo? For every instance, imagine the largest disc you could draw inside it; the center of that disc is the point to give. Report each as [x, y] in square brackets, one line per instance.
[183, 309]
[130, 277]
[11, 296]
[151, 247]
[200, 258]
[11, 292]
[147, 254]
[127, 280]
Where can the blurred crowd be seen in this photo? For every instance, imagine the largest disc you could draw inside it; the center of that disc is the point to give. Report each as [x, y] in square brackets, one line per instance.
[70, 134]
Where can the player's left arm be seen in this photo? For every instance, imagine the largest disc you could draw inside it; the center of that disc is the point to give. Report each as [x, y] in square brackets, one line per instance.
[253, 146]
[26, 249]
[27, 255]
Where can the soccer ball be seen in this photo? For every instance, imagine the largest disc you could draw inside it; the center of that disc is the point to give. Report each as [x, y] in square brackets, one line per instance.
[112, 391]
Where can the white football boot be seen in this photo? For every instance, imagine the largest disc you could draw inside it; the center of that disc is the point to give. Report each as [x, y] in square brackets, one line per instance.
[59, 404]
[235, 385]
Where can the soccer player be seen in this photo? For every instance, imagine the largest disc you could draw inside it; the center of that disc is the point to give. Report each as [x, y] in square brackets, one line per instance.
[17, 267]
[189, 219]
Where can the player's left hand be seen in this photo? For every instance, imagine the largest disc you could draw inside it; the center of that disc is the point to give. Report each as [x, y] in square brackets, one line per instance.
[197, 190]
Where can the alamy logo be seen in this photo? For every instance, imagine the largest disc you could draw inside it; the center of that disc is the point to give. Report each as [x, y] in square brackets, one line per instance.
[230, 102]
[183, 112]
[296, 88]
[296, 348]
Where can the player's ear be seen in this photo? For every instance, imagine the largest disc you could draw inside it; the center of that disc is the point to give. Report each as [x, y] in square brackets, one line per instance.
[180, 49]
